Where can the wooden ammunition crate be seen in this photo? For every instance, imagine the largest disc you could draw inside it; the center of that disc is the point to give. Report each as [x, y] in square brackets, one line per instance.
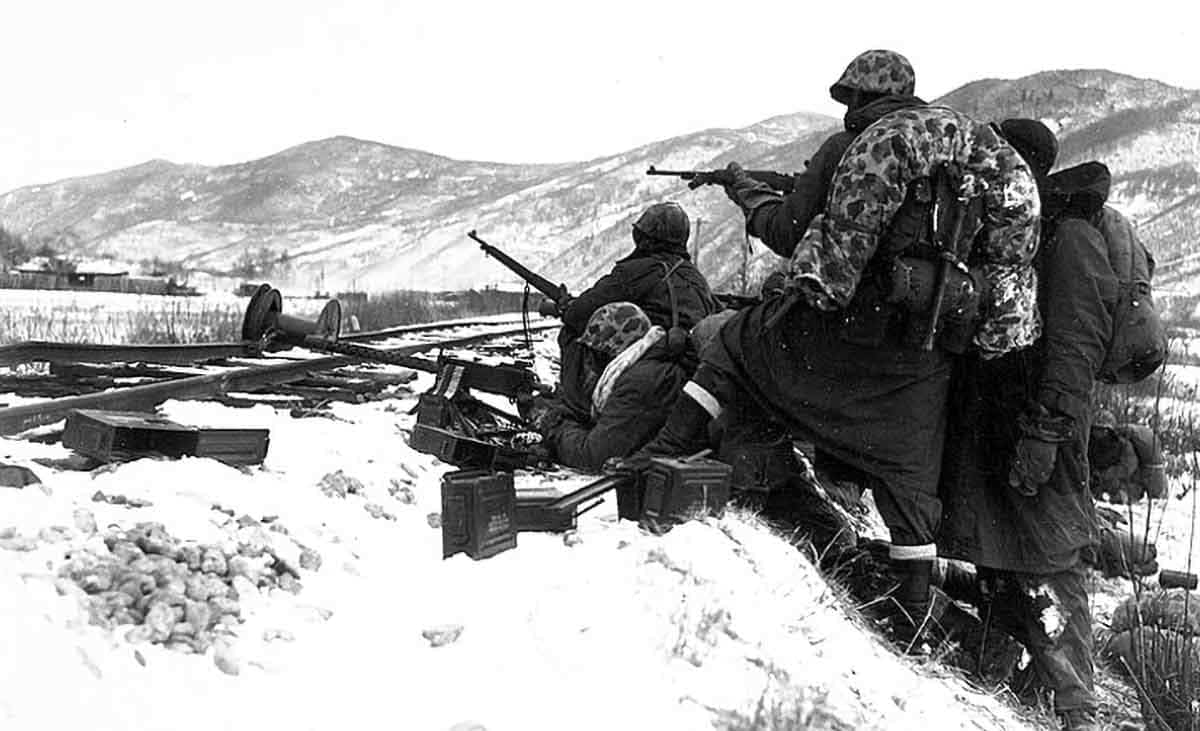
[115, 436]
[478, 513]
[234, 446]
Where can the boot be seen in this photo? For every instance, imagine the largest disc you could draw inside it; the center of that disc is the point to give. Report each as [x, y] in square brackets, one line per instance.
[1079, 719]
[911, 621]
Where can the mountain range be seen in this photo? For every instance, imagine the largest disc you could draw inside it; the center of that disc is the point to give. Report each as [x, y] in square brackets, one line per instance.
[364, 215]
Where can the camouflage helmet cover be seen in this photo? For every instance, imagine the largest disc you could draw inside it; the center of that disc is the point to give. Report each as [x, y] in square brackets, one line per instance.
[875, 72]
[665, 222]
[614, 327]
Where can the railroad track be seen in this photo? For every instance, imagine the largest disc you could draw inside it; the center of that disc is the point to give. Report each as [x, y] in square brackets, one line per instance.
[270, 355]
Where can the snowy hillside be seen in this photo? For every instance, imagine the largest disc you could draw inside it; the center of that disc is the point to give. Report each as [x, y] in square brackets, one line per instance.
[715, 624]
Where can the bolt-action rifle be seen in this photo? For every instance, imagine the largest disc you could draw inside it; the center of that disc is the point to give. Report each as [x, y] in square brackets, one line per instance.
[557, 296]
[783, 182]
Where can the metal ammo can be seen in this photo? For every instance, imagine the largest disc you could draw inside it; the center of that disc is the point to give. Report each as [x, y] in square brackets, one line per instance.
[677, 490]
[478, 513]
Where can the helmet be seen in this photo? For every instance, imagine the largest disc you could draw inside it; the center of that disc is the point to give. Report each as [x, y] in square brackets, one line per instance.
[614, 327]
[665, 222]
[1104, 419]
[875, 72]
[1033, 141]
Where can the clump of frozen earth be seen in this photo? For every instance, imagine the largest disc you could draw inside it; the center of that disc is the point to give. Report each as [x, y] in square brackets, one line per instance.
[180, 594]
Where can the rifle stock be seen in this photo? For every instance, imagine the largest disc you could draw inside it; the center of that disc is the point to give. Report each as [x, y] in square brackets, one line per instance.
[558, 292]
[783, 182]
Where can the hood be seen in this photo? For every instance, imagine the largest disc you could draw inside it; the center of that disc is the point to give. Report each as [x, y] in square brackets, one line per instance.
[1081, 190]
[856, 120]
[657, 250]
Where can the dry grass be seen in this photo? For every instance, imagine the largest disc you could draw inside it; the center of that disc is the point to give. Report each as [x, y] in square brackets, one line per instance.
[175, 322]
[408, 307]
[196, 320]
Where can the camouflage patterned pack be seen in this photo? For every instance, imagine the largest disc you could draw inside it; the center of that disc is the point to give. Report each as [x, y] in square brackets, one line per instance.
[870, 185]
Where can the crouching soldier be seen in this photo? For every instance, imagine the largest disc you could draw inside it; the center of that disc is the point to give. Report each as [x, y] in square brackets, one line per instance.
[1126, 461]
[658, 276]
[632, 379]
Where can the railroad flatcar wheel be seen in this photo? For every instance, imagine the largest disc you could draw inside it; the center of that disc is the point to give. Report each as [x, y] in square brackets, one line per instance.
[262, 313]
[329, 323]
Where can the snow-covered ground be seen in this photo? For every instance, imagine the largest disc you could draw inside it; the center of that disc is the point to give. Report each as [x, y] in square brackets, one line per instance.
[717, 623]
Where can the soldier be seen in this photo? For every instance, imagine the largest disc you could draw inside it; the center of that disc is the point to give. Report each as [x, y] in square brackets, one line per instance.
[636, 378]
[659, 258]
[1015, 481]
[1126, 461]
[876, 83]
[841, 359]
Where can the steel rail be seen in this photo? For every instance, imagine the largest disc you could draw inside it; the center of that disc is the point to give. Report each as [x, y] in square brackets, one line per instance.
[52, 352]
[15, 419]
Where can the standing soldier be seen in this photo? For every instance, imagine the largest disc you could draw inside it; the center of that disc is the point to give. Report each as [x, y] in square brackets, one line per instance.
[1015, 482]
[924, 248]
[658, 276]
[875, 84]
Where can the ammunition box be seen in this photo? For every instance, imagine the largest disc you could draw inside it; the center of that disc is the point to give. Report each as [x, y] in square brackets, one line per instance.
[434, 410]
[478, 513]
[114, 436]
[533, 515]
[676, 490]
[455, 449]
[234, 446]
[629, 499]
[759, 467]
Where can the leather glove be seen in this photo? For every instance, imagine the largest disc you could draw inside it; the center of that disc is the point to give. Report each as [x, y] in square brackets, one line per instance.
[1037, 449]
[775, 284]
[1032, 465]
[549, 308]
[747, 192]
[548, 421]
[624, 465]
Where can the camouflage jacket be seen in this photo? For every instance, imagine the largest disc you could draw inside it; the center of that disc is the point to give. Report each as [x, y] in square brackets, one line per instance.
[781, 224]
[870, 185]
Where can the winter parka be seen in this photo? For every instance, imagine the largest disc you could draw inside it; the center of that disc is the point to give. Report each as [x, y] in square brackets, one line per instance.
[984, 520]
[636, 409]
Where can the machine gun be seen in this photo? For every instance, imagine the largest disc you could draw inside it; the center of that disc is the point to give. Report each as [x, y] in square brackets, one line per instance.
[557, 296]
[782, 182]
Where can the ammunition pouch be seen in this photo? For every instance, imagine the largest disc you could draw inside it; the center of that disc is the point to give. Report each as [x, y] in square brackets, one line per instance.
[677, 341]
[912, 285]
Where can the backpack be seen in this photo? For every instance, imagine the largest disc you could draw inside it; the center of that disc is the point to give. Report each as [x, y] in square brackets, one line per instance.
[1139, 341]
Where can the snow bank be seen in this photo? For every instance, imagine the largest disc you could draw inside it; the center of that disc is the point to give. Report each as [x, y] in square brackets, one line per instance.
[719, 623]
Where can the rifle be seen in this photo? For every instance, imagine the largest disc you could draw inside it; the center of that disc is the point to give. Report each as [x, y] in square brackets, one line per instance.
[556, 294]
[783, 182]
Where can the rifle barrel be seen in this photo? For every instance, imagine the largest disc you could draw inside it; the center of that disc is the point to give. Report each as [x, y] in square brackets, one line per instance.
[538, 282]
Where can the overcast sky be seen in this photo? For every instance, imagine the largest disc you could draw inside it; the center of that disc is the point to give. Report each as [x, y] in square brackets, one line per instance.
[96, 85]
